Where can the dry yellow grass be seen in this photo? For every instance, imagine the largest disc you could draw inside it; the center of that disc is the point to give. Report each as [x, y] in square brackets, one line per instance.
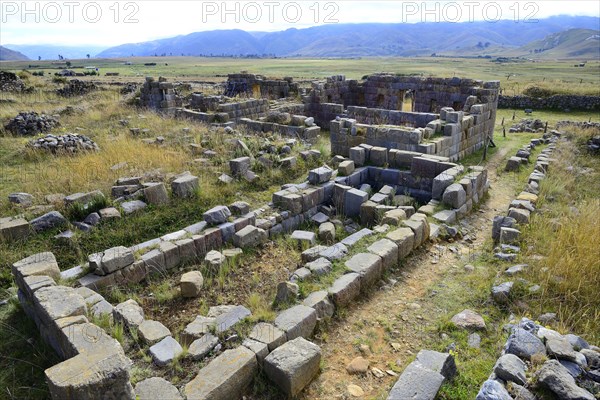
[567, 234]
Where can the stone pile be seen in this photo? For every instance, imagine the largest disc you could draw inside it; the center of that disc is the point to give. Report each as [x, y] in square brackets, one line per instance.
[527, 125]
[571, 369]
[31, 123]
[76, 87]
[69, 143]
[10, 82]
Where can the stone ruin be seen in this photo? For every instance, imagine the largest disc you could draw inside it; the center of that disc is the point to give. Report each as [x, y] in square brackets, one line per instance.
[449, 117]
[31, 123]
[10, 82]
[76, 87]
[68, 143]
[260, 87]
[160, 96]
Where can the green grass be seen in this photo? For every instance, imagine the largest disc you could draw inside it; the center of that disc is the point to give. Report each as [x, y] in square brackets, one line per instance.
[514, 77]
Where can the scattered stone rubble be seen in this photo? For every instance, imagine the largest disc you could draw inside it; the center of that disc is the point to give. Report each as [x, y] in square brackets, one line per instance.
[69, 143]
[31, 123]
[10, 82]
[527, 125]
[76, 87]
[572, 368]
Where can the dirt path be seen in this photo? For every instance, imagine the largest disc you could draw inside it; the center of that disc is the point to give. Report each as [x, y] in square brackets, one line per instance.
[394, 322]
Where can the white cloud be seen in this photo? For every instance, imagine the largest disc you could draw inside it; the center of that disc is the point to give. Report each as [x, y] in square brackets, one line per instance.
[116, 22]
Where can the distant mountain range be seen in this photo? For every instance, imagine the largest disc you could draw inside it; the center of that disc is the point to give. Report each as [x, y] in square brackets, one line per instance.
[11, 55]
[51, 52]
[360, 40]
[554, 37]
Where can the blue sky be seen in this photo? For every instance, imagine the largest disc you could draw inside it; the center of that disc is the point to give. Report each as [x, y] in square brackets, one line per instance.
[112, 22]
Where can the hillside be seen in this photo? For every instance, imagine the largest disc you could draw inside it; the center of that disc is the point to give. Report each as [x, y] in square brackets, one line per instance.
[11, 55]
[574, 43]
[51, 52]
[355, 40]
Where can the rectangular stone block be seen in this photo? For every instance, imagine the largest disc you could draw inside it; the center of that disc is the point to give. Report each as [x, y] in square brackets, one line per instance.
[345, 289]
[369, 266]
[404, 239]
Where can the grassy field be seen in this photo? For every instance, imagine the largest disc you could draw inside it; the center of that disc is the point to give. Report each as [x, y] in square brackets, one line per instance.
[558, 76]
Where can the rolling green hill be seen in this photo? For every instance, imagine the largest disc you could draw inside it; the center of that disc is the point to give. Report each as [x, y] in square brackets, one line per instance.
[573, 43]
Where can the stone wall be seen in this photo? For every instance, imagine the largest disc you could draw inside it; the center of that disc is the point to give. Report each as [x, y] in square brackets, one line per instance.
[259, 86]
[306, 133]
[426, 95]
[214, 112]
[159, 95]
[454, 134]
[95, 362]
[556, 102]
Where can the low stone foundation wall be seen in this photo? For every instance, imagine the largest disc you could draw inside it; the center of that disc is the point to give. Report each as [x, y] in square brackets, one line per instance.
[556, 102]
[307, 133]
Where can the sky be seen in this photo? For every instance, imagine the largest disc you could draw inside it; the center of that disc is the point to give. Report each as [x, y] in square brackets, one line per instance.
[113, 22]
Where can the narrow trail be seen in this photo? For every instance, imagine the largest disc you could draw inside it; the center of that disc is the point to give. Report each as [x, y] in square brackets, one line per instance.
[402, 312]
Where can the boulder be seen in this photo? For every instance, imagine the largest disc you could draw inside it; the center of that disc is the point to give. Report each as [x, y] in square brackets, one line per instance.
[165, 351]
[217, 215]
[293, 365]
[287, 292]
[557, 379]
[468, 319]
[156, 193]
[185, 186]
[191, 284]
[156, 388]
[48, 221]
[454, 196]
[524, 344]
[416, 382]
[297, 321]
[327, 232]
[493, 390]
[511, 368]
[225, 377]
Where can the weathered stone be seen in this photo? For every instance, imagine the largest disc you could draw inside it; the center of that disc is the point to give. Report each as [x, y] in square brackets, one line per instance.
[416, 382]
[165, 351]
[269, 334]
[353, 199]
[196, 329]
[228, 319]
[109, 212]
[368, 266]
[420, 228]
[358, 155]
[129, 207]
[345, 289]
[493, 390]
[445, 216]
[454, 196]
[259, 348]
[48, 221]
[442, 363]
[304, 238]
[577, 342]
[346, 168]
[14, 229]
[55, 302]
[129, 313]
[297, 321]
[404, 239]
[217, 215]
[156, 193]
[225, 377]
[293, 365]
[185, 186]
[36, 282]
[327, 232]
[511, 368]
[501, 222]
[312, 254]
[513, 164]
[41, 264]
[152, 332]
[201, 347]
[156, 388]
[191, 284]
[286, 292]
[320, 302]
[214, 259]
[524, 344]
[358, 365]
[335, 252]
[394, 217]
[521, 215]
[320, 266]
[468, 319]
[239, 166]
[23, 199]
[354, 238]
[116, 258]
[561, 349]
[501, 293]
[320, 175]
[557, 379]
[86, 375]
